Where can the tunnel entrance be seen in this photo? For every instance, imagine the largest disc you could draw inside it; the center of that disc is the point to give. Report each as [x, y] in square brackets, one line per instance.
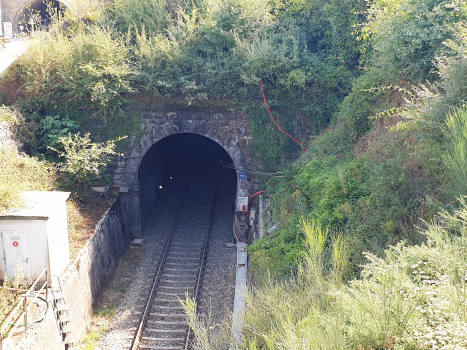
[176, 160]
[36, 14]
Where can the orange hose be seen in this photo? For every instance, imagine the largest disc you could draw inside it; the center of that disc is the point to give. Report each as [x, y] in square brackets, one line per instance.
[270, 113]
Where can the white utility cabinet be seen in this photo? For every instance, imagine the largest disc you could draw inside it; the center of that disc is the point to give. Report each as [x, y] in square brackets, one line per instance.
[35, 237]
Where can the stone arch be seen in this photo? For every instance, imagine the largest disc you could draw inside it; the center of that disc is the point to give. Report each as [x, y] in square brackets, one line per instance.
[36, 5]
[172, 156]
[135, 159]
[230, 130]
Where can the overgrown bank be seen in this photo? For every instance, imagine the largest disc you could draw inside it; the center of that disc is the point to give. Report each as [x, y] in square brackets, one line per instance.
[375, 91]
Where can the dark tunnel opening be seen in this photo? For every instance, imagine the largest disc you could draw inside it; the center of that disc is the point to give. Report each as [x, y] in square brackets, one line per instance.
[37, 14]
[173, 161]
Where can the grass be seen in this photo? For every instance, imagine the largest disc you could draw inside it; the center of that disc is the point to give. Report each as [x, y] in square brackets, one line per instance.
[99, 325]
[103, 315]
[19, 172]
[413, 298]
[11, 291]
[208, 336]
[83, 217]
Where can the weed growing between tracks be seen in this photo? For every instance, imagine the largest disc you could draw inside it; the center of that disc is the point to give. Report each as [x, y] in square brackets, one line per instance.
[207, 336]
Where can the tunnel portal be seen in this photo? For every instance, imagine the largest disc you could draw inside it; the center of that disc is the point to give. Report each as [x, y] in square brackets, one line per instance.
[176, 159]
[228, 133]
[35, 15]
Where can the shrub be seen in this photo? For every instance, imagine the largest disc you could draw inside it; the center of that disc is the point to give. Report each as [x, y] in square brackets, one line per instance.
[85, 68]
[150, 15]
[407, 35]
[50, 130]
[85, 159]
[18, 173]
[413, 298]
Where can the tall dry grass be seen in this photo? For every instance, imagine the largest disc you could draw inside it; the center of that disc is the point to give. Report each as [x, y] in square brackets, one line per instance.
[414, 298]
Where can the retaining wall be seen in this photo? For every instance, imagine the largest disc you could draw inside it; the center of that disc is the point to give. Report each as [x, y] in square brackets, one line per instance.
[84, 281]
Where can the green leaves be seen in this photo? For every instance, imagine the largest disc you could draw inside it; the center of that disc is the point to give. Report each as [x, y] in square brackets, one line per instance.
[51, 129]
[84, 159]
[406, 35]
[85, 68]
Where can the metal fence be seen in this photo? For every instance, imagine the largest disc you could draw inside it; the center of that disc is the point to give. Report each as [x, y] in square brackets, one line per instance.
[22, 307]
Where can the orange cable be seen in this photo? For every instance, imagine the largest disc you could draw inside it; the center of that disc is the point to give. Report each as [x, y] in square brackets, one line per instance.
[270, 113]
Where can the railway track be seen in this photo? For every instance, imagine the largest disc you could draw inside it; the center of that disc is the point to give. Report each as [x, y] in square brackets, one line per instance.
[180, 270]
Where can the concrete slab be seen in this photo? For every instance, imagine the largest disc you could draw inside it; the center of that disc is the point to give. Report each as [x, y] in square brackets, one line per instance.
[11, 52]
[240, 290]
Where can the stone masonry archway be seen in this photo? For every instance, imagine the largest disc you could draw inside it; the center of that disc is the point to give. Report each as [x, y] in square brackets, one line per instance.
[16, 11]
[231, 130]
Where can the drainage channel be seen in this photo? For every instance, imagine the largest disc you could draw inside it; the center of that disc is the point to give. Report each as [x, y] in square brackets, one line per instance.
[180, 271]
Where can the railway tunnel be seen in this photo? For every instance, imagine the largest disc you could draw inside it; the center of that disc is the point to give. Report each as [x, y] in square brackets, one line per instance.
[182, 163]
[36, 14]
[187, 188]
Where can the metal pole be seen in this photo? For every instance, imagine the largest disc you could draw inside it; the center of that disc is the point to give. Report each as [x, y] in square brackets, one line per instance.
[47, 287]
[25, 314]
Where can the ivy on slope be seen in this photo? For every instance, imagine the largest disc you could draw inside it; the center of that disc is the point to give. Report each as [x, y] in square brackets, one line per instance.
[305, 54]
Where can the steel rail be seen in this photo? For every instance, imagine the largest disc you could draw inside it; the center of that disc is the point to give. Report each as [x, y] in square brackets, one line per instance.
[137, 338]
[203, 258]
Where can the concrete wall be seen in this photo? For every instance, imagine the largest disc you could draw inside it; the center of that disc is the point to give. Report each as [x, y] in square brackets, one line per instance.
[150, 178]
[84, 280]
[57, 240]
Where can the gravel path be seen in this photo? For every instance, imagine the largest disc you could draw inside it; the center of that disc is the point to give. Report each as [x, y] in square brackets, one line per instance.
[137, 266]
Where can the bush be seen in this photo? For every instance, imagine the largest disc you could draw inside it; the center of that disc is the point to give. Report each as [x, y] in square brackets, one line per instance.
[407, 35]
[50, 130]
[84, 159]
[18, 173]
[414, 298]
[85, 68]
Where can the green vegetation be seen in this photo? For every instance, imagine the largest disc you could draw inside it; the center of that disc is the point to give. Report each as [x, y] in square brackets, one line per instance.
[99, 325]
[84, 159]
[376, 91]
[414, 298]
[18, 171]
[203, 52]
[376, 186]
[21, 173]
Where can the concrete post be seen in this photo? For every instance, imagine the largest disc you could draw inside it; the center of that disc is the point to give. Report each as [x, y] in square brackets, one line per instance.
[261, 220]
[133, 216]
[1, 34]
[240, 289]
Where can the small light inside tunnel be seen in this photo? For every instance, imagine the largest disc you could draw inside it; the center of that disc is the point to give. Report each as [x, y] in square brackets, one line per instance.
[171, 178]
[160, 187]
